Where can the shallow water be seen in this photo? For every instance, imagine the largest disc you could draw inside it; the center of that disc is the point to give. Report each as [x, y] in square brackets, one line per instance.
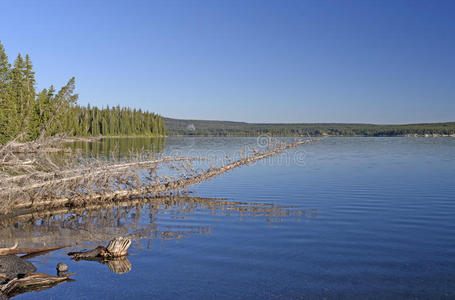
[340, 218]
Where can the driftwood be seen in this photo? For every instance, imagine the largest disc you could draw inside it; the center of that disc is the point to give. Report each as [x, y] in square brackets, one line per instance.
[115, 182]
[44, 185]
[15, 250]
[114, 255]
[117, 248]
[4, 251]
[32, 282]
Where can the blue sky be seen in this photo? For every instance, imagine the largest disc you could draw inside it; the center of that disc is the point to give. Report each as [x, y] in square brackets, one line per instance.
[256, 61]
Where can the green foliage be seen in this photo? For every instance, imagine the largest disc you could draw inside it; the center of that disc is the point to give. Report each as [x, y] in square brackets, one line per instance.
[34, 115]
[8, 121]
[116, 121]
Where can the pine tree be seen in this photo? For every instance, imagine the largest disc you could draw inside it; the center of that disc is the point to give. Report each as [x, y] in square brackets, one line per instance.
[36, 115]
[59, 109]
[30, 119]
[8, 117]
[19, 88]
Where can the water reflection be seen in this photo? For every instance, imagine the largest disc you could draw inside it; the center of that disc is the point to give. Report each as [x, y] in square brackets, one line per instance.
[34, 288]
[118, 265]
[119, 147]
[158, 218]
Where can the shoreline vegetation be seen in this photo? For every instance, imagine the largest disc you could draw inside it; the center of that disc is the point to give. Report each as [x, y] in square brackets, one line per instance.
[30, 115]
[178, 127]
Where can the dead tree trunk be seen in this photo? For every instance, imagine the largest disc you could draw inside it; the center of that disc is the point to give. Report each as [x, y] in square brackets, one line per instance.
[117, 248]
[15, 250]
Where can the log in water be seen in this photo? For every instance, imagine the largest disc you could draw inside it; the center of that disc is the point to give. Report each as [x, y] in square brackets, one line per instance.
[79, 191]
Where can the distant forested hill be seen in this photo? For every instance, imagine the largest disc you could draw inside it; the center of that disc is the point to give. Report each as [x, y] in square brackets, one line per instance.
[224, 128]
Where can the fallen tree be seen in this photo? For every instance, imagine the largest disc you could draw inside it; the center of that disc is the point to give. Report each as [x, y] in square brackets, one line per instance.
[100, 181]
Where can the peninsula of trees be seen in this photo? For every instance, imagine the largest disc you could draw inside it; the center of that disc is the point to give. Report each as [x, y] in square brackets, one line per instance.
[31, 114]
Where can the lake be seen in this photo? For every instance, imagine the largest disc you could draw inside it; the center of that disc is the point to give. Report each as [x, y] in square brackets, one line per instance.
[340, 218]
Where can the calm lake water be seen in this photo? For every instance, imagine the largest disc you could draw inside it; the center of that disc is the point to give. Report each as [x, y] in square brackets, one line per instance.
[341, 218]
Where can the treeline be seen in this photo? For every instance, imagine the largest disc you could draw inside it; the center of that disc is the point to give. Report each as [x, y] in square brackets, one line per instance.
[29, 115]
[222, 128]
[116, 121]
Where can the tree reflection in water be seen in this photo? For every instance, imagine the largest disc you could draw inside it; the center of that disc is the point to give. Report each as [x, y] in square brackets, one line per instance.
[135, 219]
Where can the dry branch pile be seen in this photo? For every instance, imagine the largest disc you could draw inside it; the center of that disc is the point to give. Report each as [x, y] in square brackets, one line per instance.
[47, 184]
[43, 185]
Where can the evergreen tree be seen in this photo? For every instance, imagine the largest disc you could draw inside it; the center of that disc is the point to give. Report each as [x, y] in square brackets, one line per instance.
[19, 87]
[31, 126]
[37, 115]
[8, 119]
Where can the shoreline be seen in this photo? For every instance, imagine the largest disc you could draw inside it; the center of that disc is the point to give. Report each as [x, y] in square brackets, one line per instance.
[97, 138]
[100, 137]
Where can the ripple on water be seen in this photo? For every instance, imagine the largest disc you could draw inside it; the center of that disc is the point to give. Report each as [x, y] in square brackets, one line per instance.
[359, 218]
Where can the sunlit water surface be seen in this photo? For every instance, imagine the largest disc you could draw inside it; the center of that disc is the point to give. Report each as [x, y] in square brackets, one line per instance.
[340, 218]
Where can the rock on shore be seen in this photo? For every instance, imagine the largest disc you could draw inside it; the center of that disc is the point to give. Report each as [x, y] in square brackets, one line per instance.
[12, 266]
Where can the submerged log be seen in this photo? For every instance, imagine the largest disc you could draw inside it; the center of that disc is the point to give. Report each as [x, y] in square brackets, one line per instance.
[15, 250]
[97, 252]
[117, 248]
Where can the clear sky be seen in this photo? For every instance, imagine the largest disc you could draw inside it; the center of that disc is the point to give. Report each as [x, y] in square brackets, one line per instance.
[255, 61]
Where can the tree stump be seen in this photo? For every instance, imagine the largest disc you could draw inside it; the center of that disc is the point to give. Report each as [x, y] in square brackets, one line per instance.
[117, 248]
